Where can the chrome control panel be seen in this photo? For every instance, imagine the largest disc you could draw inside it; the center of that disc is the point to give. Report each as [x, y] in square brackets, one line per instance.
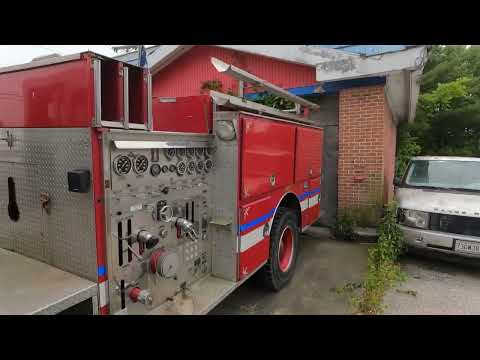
[159, 210]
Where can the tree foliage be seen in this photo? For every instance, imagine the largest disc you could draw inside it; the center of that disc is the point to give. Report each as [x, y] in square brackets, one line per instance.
[448, 111]
[274, 101]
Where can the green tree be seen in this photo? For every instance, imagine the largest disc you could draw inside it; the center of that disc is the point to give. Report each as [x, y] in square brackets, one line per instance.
[448, 111]
[274, 101]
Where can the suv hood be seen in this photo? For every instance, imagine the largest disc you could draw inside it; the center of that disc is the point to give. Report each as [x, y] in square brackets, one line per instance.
[439, 201]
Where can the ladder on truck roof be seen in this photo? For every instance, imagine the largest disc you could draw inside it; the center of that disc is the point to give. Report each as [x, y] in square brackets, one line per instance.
[251, 106]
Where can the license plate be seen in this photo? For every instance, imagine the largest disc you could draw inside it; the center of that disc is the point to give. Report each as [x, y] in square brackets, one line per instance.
[467, 246]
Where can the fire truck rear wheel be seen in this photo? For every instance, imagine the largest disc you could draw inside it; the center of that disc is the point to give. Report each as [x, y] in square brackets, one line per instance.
[284, 236]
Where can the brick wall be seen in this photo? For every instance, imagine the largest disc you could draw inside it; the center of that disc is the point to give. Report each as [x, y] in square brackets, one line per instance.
[366, 148]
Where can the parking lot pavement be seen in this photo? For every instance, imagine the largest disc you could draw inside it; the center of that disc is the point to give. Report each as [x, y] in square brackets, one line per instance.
[323, 264]
[436, 285]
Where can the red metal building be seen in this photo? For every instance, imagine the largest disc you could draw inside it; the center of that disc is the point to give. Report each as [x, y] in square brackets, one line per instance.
[185, 76]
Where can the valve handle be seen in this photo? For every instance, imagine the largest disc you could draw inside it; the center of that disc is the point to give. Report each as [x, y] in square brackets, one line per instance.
[166, 214]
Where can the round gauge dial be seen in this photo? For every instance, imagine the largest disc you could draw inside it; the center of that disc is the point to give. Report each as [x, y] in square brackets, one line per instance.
[191, 152]
[155, 170]
[181, 168]
[209, 151]
[208, 165]
[172, 168]
[165, 169]
[191, 166]
[140, 164]
[180, 153]
[199, 152]
[169, 153]
[122, 165]
[200, 166]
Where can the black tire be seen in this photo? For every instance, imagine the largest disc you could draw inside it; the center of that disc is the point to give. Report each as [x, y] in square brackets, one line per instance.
[272, 276]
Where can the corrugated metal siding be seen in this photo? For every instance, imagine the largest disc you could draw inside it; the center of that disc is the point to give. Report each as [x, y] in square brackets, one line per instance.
[185, 75]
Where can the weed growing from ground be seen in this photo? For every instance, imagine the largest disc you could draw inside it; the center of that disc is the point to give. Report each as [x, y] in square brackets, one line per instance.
[383, 268]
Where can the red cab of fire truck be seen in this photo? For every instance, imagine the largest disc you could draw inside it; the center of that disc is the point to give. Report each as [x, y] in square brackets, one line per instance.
[112, 204]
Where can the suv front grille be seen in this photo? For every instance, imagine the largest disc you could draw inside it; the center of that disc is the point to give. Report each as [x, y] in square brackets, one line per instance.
[454, 224]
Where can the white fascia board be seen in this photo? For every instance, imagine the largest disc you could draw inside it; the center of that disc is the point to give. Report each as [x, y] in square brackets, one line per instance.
[402, 91]
[298, 54]
[353, 67]
[397, 93]
[415, 79]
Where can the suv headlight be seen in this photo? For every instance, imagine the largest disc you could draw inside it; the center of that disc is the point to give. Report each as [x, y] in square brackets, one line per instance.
[414, 218]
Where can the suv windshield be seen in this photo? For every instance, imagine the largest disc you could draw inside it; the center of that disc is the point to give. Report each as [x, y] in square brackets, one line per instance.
[450, 174]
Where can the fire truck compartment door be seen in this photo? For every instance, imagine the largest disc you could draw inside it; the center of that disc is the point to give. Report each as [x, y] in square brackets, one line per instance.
[267, 155]
[24, 232]
[309, 153]
[191, 114]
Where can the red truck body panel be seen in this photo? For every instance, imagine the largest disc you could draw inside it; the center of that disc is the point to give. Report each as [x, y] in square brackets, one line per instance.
[60, 95]
[308, 153]
[268, 151]
[191, 114]
[293, 153]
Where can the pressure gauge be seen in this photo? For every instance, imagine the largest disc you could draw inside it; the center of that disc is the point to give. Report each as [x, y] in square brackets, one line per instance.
[181, 153]
[172, 168]
[140, 164]
[208, 165]
[169, 153]
[181, 168]
[165, 169]
[191, 166]
[122, 165]
[209, 151]
[155, 170]
[199, 152]
[200, 166]
[191, 152]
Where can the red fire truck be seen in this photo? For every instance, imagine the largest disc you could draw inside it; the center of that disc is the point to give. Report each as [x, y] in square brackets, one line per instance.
[114, 202]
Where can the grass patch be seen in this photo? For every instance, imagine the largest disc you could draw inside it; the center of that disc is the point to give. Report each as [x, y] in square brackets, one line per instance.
[383, 268]
[344, 228]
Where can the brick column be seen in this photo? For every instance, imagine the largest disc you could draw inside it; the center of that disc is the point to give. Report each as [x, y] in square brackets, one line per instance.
[366, 156]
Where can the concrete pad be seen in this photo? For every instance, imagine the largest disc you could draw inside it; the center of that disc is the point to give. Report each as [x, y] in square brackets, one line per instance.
[323, 264]
[443, 286]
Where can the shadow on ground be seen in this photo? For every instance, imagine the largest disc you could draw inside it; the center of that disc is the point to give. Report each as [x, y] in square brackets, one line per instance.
[323, 264]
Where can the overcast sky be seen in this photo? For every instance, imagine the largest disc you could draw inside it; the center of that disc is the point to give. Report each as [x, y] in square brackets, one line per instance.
[18, 54]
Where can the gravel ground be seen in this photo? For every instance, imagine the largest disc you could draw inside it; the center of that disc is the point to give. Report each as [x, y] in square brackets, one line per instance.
[436, 285]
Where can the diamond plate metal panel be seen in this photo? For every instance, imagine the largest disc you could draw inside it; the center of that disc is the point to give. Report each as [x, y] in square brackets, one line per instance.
[39, 161]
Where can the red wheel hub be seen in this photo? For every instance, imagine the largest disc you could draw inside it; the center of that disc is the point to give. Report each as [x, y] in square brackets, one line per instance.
[285, 251]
